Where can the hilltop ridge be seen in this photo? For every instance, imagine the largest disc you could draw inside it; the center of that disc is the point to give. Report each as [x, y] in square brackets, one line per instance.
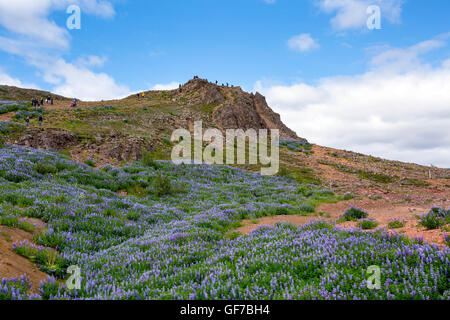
[118, 130]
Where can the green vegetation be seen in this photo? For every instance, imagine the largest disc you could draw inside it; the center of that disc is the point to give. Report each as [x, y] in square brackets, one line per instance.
[377, 177]
[396, 224]
[436, 218]
[368, 224]
[149, 161]
[301, 175]
[209, 108]
[354, 214]
[90, 163]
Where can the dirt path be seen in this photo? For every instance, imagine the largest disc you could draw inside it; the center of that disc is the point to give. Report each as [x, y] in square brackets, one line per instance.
[7, 116]
[13, 265]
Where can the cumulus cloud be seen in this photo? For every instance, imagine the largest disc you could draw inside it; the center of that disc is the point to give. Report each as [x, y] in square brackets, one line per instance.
[396, 113]
[168, 86]
[352, 14]
[6, 79]
[32, 35]
[91, 61]
[302, 43]
[29, 18]
[80, 82]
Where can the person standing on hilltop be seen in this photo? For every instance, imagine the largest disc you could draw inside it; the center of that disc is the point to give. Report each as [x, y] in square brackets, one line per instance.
[40, 120]
[28, 121]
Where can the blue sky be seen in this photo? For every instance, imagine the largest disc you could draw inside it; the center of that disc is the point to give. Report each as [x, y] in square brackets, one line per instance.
[303, 55]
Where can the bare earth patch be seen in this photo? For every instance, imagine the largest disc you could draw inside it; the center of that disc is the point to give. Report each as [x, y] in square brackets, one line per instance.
[13, 265]
[7, 116]
[381, 210]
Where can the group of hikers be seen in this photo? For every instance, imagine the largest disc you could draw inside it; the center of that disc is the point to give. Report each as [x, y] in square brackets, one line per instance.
[223, 85]
[41, 119]
[37, 103]
[217, 82]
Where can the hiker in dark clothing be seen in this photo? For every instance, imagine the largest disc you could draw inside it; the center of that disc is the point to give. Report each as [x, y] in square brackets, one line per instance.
[42, 101]
[40, 120]
[28, 121]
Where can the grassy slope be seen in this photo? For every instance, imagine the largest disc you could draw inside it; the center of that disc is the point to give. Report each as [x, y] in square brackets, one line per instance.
[153, 120]
[178, 245]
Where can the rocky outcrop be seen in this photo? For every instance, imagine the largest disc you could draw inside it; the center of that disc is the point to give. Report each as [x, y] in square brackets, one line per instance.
[233, 108]
[202, 92]
[272, 119]
[53, 139]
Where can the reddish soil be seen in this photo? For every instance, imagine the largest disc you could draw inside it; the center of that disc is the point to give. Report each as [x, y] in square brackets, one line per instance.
[13, 265]
[410, 193]
[7, 116]
[383, 211]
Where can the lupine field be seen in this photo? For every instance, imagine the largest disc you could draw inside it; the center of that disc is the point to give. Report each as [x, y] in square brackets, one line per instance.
[170, 236]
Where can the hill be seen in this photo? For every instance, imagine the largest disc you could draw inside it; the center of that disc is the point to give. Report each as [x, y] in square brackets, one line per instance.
[172, 236]
[99, 190]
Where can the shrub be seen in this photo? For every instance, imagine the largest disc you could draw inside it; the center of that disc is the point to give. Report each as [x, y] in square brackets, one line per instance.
[284, 172]
[348, 196]
[368, 224]
[134, 216]
[354, 214]
[147, 160]
[436, 218]
[48, 260]
[233, 235]
[396, 224]
[162, 185]
[90, 163]
[44, 169]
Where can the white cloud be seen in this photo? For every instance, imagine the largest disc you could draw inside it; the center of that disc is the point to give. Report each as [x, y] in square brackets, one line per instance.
[396, 113]
[352, 14]
[91, 61]
[6, 79]
[37, 39]
[168, 86]
[302, 43]
[398, 59]
[29, 18]
[80, 82]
